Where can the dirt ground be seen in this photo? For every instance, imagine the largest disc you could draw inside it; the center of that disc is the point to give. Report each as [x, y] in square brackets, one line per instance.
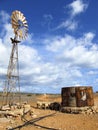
[50, 119]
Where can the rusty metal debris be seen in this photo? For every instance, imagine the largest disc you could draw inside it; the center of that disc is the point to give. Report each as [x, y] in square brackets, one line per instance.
[33, 122]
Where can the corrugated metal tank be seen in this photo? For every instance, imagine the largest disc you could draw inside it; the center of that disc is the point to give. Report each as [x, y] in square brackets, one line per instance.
[77, 96]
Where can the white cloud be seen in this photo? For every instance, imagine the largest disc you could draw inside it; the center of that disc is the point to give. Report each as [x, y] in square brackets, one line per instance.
[69, 25]
[93, 72]
[77, 7]
[57, 44]
[4, 17]
[47, 20]
[48, 17]
[88, 37]
[74, 50]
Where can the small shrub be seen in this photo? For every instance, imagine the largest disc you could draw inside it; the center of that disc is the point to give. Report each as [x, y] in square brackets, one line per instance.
[29, 95]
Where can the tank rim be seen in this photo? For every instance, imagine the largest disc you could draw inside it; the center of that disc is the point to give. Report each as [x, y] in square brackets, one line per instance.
[77, 87]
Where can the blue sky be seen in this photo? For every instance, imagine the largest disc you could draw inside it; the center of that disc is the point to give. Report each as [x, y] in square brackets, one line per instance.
[62, 44]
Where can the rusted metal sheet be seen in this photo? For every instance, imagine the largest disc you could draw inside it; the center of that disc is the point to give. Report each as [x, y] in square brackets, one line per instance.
[81, 96]
[90, 97]
[65, 96]
[77, 96]
[72, 97]
[68, 97]
[84, 96]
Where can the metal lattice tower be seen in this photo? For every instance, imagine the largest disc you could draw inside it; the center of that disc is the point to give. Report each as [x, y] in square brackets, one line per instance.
[12, 85]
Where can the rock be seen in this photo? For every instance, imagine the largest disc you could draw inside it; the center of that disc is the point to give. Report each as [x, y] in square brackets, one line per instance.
[7, 113]
[27, 108]
[34, 116]
[43, 105]
[31, 112]
[9, 127]
[5, 108]
[94, 112]
[13, 107]
[97, 110]
[19, 111]
[82, 112]
[4, 120]
[11, 113]
[14, 113]
[55, 106]
[94, 107]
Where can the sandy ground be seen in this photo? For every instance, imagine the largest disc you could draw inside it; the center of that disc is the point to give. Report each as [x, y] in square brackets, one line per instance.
[54, 121]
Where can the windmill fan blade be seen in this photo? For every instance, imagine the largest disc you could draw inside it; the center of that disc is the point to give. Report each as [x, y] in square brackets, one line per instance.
[26, 29]
[25, 25]
[15, 15]
[24, 22]
[19, 24]
[14, 19]
[15, 23]
[20, 15]
[14, 26]
[23, 18]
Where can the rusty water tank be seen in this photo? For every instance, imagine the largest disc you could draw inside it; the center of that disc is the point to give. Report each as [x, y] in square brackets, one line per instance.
[77, 96]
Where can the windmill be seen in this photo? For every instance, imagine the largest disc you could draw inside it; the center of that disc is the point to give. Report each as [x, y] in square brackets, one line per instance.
[20, 27]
